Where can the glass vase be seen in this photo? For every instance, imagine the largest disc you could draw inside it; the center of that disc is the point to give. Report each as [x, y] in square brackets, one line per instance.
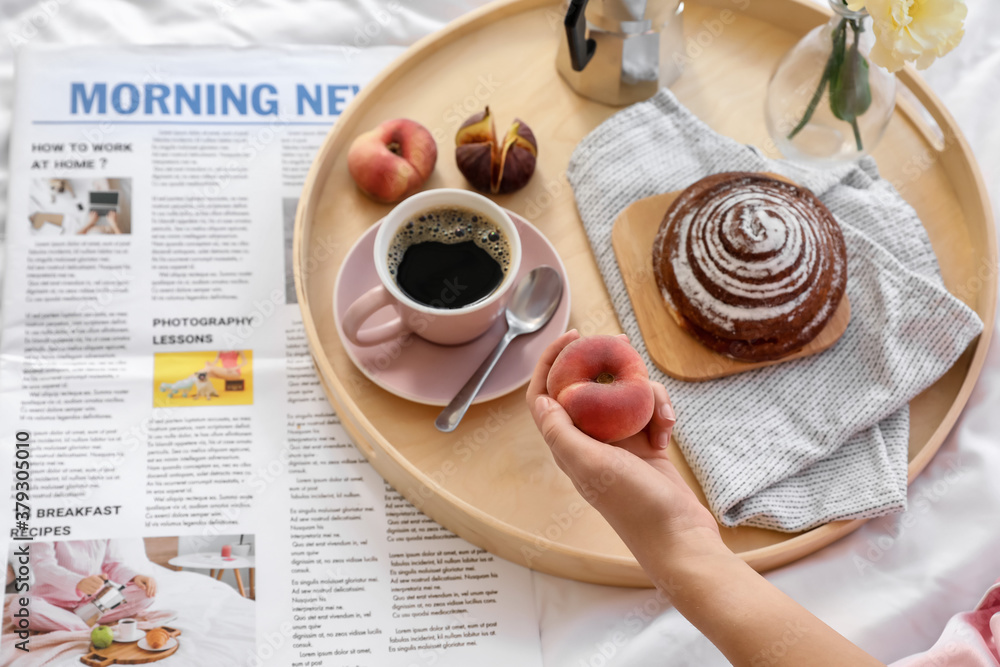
[826, 102]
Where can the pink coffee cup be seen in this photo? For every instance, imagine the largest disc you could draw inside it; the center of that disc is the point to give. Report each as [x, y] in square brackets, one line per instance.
[438, 325]
[227, 551]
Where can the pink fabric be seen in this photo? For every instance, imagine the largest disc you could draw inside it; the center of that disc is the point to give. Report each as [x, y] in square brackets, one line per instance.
[971, 639]
[229, 359]
[59, 566]
[47, 617]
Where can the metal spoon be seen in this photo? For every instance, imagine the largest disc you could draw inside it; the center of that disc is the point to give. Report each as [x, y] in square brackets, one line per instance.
[531, 306]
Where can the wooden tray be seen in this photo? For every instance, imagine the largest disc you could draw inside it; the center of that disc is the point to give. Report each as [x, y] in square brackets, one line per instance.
[493, 480]
[674, 351]
[128, 654]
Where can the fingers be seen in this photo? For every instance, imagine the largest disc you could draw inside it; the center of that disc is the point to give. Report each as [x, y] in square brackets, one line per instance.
[575, 452]
[661, 426]
[92, 584]
[652, 442]
[536, 387]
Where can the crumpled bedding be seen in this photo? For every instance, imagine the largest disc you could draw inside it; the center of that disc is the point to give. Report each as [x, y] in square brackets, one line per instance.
[889, 587]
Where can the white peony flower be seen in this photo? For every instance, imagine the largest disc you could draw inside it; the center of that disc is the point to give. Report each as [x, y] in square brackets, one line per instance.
[913, 30]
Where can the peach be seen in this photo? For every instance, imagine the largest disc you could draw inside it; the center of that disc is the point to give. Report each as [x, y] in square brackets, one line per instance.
[392, 161]
[602, 383]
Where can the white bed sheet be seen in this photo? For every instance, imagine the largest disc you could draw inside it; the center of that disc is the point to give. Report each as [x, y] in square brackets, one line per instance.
[887, 587]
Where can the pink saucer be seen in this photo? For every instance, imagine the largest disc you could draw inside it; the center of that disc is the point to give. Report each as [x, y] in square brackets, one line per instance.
[417, 370]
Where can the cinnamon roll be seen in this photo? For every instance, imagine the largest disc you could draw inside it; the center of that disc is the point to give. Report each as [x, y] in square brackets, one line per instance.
[753, 267]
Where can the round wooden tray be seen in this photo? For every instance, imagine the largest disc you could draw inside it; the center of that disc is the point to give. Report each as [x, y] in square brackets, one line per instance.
[493, 480]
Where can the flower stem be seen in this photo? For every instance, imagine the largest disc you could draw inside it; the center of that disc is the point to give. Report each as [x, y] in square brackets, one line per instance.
[858, 27]
[827, 72]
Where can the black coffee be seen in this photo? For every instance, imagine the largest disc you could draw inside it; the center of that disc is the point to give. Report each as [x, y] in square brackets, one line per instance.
[449, 257]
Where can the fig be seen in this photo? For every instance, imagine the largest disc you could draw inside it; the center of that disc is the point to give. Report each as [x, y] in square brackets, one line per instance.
[492, 166]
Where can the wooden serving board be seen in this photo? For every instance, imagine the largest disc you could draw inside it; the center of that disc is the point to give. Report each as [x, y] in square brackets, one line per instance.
[673, 350]
[128, 654]
[493, 480]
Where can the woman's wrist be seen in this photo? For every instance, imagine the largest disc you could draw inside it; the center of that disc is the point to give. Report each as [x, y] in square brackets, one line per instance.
[700, 572]
[681, 556]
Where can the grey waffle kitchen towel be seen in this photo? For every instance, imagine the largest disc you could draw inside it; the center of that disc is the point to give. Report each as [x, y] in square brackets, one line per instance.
[805, 442]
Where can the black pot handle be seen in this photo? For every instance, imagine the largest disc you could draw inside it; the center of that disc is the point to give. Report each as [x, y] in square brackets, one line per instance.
[581, 49]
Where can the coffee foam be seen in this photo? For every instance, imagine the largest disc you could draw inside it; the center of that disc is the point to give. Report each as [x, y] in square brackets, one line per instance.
[449, 224]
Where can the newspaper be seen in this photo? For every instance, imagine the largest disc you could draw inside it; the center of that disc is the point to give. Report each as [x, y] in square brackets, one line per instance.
[173, 458]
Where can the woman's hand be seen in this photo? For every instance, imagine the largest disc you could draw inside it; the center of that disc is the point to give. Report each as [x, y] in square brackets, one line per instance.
[147, 584]
[676, 540]
[92, 219]
[90, 585]
[633, 483]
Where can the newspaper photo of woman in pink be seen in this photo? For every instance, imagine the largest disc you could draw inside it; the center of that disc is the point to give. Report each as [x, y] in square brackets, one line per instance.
[102, 597]
[68, 574]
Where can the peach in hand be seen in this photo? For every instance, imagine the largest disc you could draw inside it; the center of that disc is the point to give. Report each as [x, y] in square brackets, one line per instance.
[392, 161]
[602, 383]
